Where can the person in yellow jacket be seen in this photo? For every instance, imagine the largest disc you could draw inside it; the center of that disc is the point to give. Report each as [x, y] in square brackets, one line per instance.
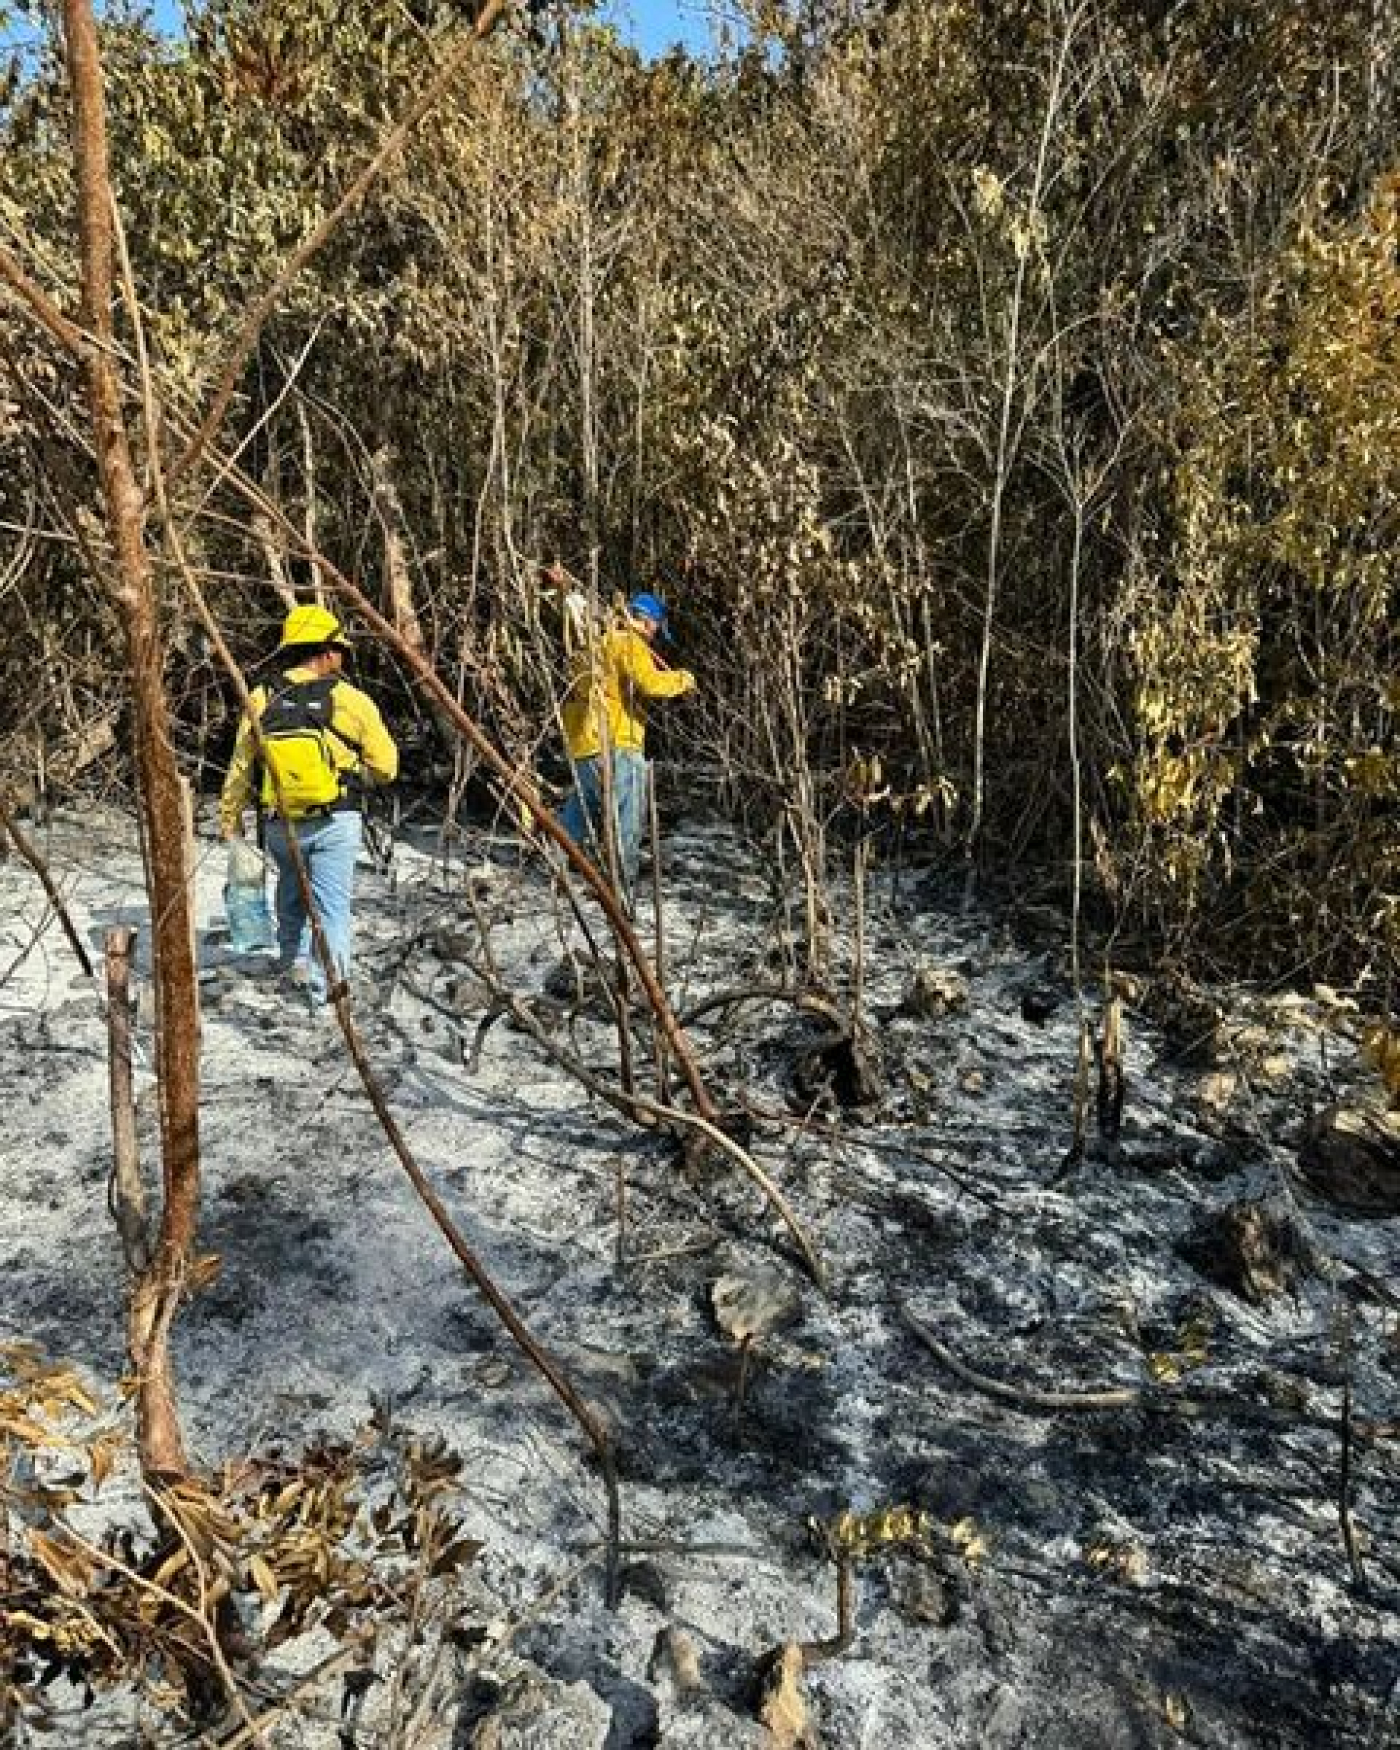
[614, 678]
[324, 743]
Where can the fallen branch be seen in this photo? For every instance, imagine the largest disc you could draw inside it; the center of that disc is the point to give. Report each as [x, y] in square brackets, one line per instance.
[37, 931]
[693, 1249]
[9, 829]
[1024, 1397]
[670, 1546]
[285, 1703]
[495, 1297]
[810, 1002]
[634, 1105]
[1225, 1405]
[816, 1127]
[1350, 1542]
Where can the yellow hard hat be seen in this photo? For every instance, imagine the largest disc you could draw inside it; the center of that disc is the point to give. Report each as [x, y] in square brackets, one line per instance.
[311, 625]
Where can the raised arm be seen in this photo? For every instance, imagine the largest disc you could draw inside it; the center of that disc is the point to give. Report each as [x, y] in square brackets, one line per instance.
[645, 675]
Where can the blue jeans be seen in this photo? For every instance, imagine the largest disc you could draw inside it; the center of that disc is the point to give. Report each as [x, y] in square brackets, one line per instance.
[582, 815]
[329, 847]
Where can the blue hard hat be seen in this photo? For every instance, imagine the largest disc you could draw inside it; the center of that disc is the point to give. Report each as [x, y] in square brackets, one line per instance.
[650, 605]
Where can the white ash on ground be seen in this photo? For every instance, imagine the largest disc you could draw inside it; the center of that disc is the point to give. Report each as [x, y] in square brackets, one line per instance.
[1164, 1567]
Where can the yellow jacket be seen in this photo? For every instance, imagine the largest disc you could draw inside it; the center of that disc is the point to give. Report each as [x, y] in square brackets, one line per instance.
[354, 717]
[611, 682]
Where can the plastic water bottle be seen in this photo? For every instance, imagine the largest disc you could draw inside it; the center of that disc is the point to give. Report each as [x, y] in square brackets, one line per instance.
[245, 900]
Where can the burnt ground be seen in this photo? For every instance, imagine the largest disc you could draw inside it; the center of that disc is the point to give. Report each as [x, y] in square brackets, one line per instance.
[1167, 1570]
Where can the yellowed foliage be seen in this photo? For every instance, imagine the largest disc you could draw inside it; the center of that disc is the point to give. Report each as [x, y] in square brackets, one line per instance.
[969, 1541]
[260, 1572]
[1382, 1048]
[70, 1568]
[1116, 1558]
[862, 1534]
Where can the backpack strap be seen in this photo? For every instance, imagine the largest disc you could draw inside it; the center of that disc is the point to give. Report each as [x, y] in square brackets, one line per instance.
[352, 780]
[349, 778]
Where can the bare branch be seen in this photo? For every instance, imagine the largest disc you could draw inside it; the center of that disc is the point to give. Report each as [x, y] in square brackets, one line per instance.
[42, 308]
[1021, 1396]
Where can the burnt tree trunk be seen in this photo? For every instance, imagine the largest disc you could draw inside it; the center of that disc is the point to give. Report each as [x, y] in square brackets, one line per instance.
[156, 1290]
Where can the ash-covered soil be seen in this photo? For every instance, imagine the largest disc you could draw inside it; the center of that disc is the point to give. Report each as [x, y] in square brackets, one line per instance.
[1167, 1567]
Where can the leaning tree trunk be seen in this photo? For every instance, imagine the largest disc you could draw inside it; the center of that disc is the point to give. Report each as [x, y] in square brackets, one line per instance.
[156, 1289]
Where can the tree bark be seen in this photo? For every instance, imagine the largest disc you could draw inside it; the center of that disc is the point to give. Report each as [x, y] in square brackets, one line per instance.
[399, 604]
[156, 1292]
[398, 585]
[272, 558]
[127, 1194]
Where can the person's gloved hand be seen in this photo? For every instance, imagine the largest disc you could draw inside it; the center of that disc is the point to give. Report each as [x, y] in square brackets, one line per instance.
[576, 611]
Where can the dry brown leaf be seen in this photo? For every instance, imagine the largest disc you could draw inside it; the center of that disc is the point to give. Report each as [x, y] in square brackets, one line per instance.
[753, 1303]
[62, 1389]
[101, 1457]
[261, 1574]
[457, 1555]
[969, 1541]
[69, 1568]
[170, 1567]
[22, 1427]
[1382, 1048]
[203, 1271]
[1117, 1558]
[783, 1707]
